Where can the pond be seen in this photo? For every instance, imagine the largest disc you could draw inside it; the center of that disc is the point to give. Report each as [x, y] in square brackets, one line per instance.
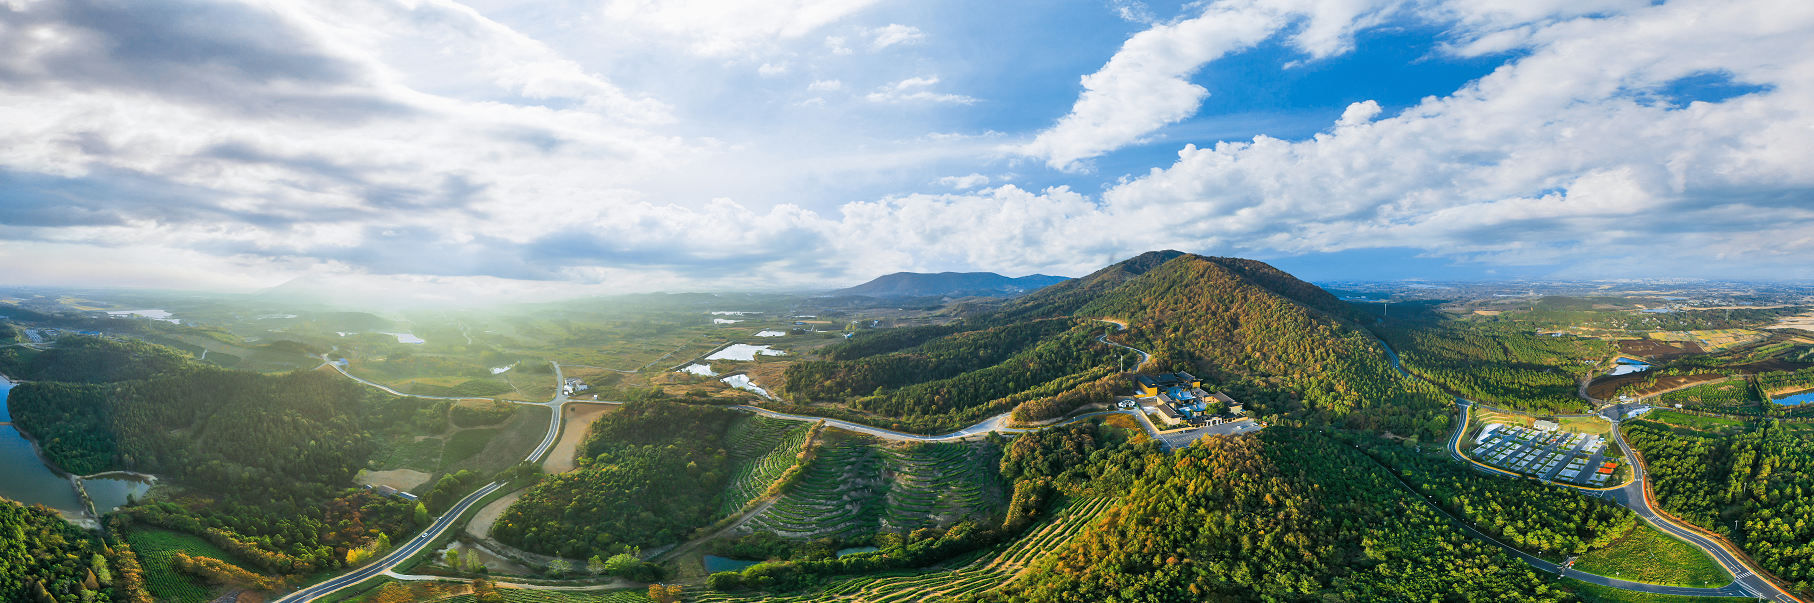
[1795, 399]
[23, 476]
[110, 491]
[405, 337]
[1628, 366]
[771, 333]
[151, 314]
[715, 564]
[857, 549]
[743, 382]
[725, 321]
[744, 352]
[703, 370]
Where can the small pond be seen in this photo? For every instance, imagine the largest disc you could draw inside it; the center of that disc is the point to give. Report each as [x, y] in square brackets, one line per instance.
[110, 492]
[703, 370]
[857, 549]
[725, 321]
[743, 382]
[715, 564]
[151, 314]
[1628, 366]
[405, 337]
[1795, 399]
[771, 333]
[744, 352]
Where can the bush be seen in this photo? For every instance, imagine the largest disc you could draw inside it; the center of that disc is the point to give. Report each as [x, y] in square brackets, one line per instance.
[725, 581]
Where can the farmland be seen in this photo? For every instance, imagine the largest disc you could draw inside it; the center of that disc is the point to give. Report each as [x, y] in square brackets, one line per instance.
[521, 595]
[155, 547]
[762, 449]
[975, 573]
[857, 486]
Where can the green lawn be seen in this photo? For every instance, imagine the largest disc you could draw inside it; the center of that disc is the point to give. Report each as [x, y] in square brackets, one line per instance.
[1593, 593]
[420, 456]
[1691, 421]
[154, 548]
[1652, 557]
[464, 444]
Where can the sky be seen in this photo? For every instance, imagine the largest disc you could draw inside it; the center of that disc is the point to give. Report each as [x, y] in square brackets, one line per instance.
[513, 150]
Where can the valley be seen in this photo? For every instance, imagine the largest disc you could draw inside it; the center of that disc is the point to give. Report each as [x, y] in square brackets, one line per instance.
[985, 450]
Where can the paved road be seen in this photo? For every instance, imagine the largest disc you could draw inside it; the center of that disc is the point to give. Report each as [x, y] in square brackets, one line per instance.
[385, 564]
[1633, 495]
[401, 553]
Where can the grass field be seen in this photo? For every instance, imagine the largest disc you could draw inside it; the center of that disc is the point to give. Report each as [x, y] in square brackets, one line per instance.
[1652, 557]
[465, 443]
[977, 572]
[1593, 593]
[154, 548]
[1691, 421]
[406, 454]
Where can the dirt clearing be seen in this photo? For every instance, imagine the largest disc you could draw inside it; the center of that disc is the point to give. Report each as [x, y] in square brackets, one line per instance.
[401, 479]
[579, 419]
[480, 526]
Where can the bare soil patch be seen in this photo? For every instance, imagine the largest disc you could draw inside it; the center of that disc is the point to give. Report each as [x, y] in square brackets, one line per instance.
[480, 526]
[579, 420]
[1659, 350]
[401, 479]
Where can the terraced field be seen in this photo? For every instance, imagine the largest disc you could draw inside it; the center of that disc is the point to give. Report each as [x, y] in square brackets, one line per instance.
[840, 494]
[522, 595]
[858, 485]
[763, 448]
[978, 572]
[937, 485]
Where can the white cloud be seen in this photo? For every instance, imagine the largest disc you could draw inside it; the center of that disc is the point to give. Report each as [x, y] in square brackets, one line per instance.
[964, 182]
[825, 85]
[1146, 84]
[720, 28]
[836, 45]
[768, 69]
[894, 34]
[913, 89]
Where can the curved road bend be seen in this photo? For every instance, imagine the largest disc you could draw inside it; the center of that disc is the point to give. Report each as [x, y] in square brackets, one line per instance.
[1632, 495]
[415, 545]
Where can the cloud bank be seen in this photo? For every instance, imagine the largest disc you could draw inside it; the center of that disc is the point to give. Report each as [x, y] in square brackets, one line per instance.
[227, 145]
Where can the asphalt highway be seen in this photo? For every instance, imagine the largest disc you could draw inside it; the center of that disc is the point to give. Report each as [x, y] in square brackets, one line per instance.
[396, 556]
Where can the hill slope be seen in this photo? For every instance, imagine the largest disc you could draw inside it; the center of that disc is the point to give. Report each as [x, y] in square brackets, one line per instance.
[917, 284]
[1286, 348]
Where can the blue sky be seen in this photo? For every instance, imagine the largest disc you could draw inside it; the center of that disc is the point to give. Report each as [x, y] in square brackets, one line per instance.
[527, 149]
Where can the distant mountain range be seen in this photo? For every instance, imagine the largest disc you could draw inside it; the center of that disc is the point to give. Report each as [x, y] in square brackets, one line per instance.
[955, 284]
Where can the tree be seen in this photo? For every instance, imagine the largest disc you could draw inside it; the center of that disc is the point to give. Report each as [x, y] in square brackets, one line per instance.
[559, 567]
[724, 581]
[421, 515]
[595, 565]
[453, 559]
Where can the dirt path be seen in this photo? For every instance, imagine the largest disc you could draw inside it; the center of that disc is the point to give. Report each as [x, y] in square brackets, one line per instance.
[676, 552]
[579, 419]
[480, 526]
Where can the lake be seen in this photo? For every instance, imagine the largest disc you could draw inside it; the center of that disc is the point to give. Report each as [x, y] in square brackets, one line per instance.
[151, 314]
[109, 493]
[405, 337]
[23, 476]
[1795, 399]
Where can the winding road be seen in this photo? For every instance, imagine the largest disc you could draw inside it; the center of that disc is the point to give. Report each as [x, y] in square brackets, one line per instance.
[1635, 495]
[446, 520]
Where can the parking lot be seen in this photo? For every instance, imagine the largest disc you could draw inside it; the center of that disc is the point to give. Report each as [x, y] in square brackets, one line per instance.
[1575, 458]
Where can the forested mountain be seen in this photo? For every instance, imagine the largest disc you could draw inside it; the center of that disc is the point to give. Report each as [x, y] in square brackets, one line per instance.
[918, 284]
[88, 359]
[1284, 347]
[650, 472]
[1283, 515]
[300, 434]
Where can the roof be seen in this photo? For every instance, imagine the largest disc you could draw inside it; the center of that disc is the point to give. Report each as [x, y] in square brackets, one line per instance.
[1168, 411]
[1145, 381]
[1223, 398]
